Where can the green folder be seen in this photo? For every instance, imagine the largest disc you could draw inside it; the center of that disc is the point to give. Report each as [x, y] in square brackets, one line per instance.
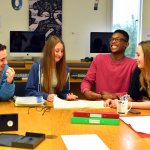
[87, 120]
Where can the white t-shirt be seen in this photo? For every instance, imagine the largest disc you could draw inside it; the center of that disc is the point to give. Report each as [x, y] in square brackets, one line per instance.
[54, 82]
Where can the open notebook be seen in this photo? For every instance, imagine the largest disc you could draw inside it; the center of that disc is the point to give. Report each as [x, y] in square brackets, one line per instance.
[29, 101]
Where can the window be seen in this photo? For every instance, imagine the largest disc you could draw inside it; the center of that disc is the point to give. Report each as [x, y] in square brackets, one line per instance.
[127, 16]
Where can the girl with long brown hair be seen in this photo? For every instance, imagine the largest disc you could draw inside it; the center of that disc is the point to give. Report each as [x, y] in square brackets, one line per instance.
[50, 75]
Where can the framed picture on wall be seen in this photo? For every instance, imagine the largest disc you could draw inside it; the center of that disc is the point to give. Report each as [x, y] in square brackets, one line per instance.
[46, 16]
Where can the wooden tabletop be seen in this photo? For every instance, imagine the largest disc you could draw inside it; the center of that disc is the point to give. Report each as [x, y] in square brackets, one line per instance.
[56, 122]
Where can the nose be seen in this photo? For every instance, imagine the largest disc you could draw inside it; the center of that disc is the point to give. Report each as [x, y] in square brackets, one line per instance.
[5, 62]
[60, 53]
[136, 57]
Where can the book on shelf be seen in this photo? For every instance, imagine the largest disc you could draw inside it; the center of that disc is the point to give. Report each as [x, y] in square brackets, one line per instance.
[94, 120]
[96, 114]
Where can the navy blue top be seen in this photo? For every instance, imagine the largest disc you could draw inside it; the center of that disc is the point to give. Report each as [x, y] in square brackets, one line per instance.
[33, 86]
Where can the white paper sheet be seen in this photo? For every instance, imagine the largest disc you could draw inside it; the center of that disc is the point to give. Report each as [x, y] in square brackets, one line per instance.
[138, 123]
[60, 103]
[84, 142]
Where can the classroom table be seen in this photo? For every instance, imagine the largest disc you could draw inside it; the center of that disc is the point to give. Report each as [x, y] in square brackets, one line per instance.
[56, 122]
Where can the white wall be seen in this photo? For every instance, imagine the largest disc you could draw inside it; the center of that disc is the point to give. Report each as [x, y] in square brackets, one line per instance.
[11, 19]
[79, 19]
[146, 20]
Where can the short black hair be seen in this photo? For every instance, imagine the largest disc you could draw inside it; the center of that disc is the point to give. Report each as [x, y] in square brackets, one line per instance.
[125, 34]
[2, 47]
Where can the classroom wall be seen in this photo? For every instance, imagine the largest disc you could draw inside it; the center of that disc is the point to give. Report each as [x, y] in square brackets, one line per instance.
[79, 19]
[145, 20]
[11, 19]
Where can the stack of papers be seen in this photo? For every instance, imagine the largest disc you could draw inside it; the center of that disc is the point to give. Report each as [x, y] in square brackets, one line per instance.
[84, 142]
[60, 103]
[29, 101]
[138, 123]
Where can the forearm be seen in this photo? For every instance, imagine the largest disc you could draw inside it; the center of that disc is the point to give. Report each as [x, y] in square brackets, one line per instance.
[7, 91]
[141, 105]
[90, 95]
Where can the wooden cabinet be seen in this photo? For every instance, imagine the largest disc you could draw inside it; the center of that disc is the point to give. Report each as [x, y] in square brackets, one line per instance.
[21, 69]
[78, 70]
[20, 65]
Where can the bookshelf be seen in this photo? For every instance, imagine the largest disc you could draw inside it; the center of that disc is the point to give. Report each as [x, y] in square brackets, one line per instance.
[78, 70]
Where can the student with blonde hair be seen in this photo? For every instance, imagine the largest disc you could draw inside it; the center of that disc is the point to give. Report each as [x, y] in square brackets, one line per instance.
[50, 75]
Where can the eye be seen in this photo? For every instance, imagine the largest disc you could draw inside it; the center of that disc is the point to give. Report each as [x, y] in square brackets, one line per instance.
[3, 59]
[118, 39]
[56, 50]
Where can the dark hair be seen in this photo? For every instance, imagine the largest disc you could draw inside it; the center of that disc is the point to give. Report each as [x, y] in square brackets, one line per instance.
[124, 33]
[2, 47]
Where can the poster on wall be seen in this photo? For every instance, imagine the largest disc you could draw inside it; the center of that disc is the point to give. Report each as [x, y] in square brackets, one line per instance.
[46, 16]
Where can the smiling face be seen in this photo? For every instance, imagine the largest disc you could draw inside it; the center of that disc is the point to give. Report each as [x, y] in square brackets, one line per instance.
[3, 59]
[140, 57]
[118, 43]
[59, 52]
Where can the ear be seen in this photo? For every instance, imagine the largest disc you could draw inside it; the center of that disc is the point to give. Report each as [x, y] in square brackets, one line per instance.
[126, 44]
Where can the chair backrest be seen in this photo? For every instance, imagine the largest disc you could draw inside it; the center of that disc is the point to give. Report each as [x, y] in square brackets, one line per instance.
[20, 88]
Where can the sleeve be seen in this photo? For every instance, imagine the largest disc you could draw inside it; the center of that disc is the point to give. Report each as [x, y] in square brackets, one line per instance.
[6, 89]
[89, 79]
[134, 87]
[32, 86]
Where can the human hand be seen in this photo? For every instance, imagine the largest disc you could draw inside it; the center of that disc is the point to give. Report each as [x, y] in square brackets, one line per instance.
[110, 103]
[114, 103]
[107, 102]
[71, 96]
[10, 73]
[92, 95]
[108, 95]
[50, 97]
